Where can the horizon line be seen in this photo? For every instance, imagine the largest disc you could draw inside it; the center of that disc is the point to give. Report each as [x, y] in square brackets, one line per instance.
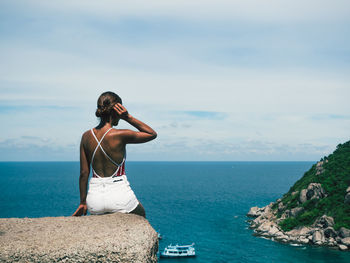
[163, 161]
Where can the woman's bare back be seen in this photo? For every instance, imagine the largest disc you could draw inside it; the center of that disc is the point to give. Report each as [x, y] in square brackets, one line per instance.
[112, 144]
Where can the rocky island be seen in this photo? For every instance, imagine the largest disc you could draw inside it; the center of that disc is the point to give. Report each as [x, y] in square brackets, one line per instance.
[316, 209]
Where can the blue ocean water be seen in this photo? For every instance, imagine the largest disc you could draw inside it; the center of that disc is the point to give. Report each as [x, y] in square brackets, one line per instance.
[200, 202]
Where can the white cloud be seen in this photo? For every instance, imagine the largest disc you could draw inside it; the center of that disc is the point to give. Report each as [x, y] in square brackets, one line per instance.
[269, 67]
[251, 10]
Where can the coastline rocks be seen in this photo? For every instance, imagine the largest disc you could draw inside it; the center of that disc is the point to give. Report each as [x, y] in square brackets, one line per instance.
[304, 214]
[324, 222]
[345, 241]
[320, 233]
[313, 191]
[302, 231]
[318, 237]
[268, 228]
[254, 212]
[104, 238]
[257, 212]
[342, 247]
[329, 232]
[344, 232]
[285, 214]
[301, 235]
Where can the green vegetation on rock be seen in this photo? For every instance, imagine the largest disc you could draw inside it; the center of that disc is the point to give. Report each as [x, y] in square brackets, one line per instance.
[333, 174]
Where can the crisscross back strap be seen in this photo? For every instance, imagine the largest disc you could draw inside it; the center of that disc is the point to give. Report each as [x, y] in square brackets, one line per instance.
[99, 145]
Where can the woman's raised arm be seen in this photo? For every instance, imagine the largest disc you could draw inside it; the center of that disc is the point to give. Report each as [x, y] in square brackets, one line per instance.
[145, 133]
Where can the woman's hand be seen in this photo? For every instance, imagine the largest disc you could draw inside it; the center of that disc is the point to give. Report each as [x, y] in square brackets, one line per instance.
[82, 210]
[121, 110]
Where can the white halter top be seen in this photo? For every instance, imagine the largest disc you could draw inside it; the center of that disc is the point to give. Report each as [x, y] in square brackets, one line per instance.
[121, 167]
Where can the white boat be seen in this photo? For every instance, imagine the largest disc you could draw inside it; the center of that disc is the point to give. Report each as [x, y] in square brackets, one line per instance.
[179, 251]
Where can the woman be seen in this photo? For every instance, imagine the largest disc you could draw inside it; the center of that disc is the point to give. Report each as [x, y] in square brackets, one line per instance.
[104, 148]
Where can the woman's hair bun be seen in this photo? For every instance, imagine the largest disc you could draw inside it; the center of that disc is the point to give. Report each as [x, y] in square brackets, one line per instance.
[105, 104]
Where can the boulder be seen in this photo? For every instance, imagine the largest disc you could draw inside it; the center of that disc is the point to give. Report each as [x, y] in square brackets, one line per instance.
[331, 242]
[292, 239]
[348, 189]
[268, 212]
[304, 240]
[301, 231]
[254, 212]
[296, 211]
[329, 232]
[279, 234]
[313, 191]
[256, 222]
[273, 230]
[280, 206]
[342, 247]
[324, 222]
[302, 196]
[345, 241]
[268, 228]
[264, 227]
[319, 168]
[319, 164]
[105, 238]
[286, 214]
[344, 232]
[318, 237]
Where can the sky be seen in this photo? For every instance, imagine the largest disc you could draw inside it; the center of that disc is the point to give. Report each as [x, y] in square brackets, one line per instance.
[218, 80]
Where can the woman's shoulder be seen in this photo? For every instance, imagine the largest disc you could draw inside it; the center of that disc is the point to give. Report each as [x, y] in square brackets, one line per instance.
[120, 132]
[87, 135]
[112, 133]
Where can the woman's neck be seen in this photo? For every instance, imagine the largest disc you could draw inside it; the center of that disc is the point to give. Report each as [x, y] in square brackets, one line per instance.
[104, 124]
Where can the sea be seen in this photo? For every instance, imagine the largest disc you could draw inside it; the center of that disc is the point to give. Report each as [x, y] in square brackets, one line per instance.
[186, 202]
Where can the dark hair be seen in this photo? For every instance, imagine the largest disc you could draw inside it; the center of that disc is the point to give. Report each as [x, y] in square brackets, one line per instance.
[105, 104]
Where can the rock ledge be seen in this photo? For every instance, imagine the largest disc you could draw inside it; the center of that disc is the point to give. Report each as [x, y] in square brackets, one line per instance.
[106, 238]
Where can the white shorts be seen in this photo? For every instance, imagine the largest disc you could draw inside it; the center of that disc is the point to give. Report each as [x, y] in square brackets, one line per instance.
[109, 195]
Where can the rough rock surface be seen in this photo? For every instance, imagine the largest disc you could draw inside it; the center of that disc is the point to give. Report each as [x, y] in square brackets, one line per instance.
[344, 232]
[318, 237]
[254, 212]
[342, 247]
[324, 222]
[296, 211]
[346, 241]
[319, 167]
[313, 191]
[106, 238]
[330, 232]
